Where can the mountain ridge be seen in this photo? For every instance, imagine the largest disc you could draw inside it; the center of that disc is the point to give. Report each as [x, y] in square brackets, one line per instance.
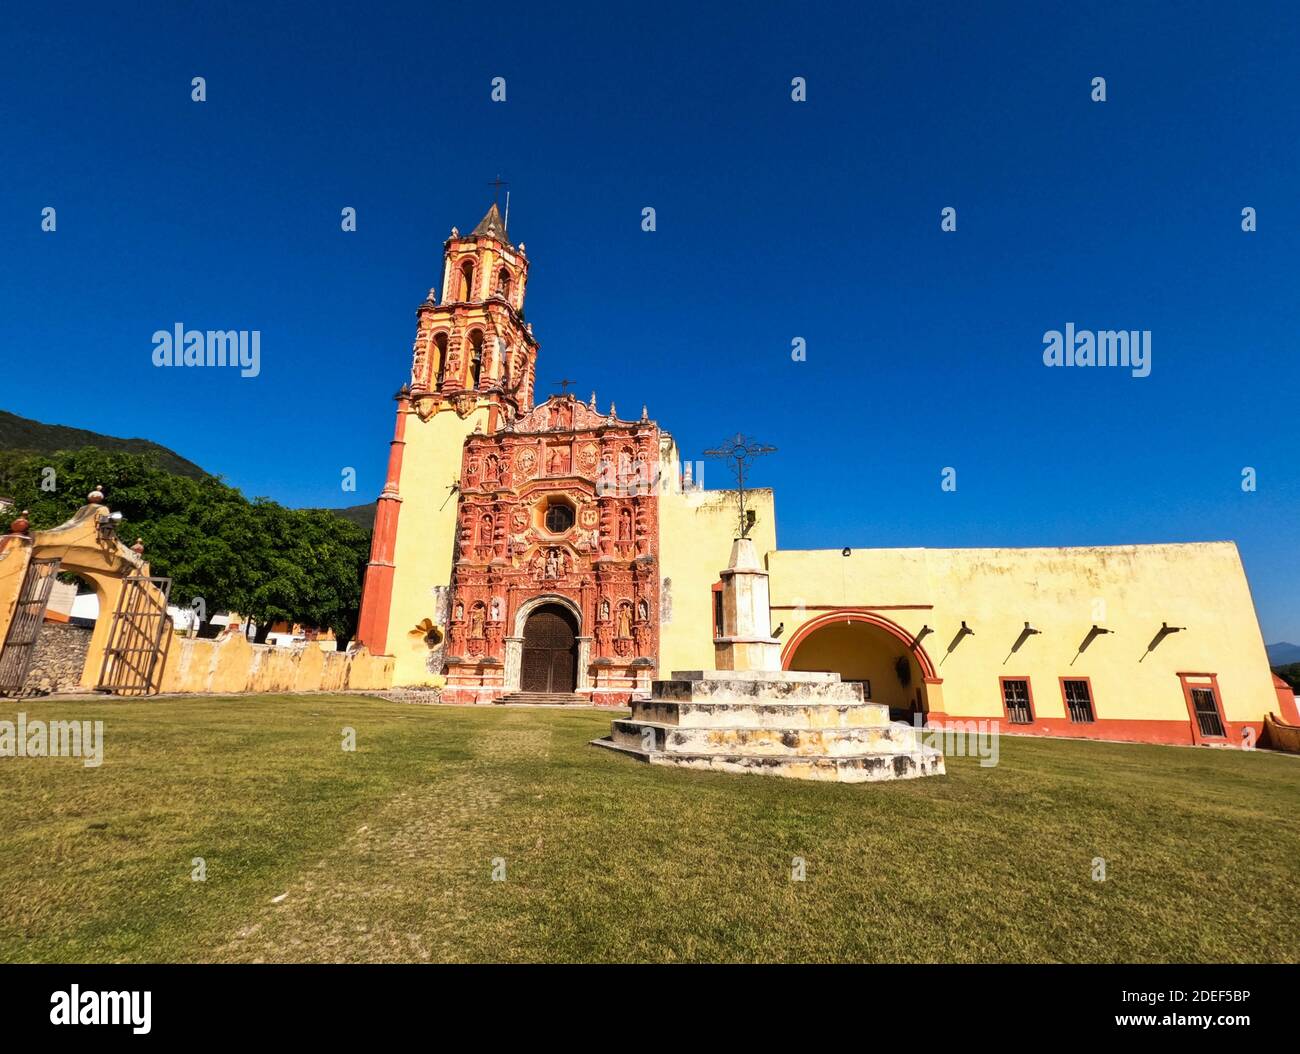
[24, 435]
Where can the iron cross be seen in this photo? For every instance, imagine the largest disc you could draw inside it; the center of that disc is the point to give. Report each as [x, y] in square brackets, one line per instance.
[497, 184]
[564, 385]
[741, 451]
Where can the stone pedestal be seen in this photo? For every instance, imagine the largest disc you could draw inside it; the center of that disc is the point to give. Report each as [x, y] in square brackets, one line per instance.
[809, 726]
[751, 716]
[746, 642]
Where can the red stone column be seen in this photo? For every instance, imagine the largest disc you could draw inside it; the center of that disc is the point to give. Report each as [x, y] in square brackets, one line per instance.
[377, 594]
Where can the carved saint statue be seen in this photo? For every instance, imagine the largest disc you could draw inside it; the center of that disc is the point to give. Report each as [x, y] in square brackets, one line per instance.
[496, 609]
[560, 416]
[476, 621]
[625, 525]
[625, 620]
[604, 609]
[552, 564]
[642, 609]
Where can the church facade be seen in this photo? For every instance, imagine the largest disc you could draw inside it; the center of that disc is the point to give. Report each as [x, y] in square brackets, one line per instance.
[556, 551]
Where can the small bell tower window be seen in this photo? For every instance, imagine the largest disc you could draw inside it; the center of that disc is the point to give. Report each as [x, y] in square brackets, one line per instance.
[476, 359]
[440, 355]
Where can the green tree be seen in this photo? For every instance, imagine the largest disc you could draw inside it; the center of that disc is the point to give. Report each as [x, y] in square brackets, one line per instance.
[1290, 673]
[258, 558]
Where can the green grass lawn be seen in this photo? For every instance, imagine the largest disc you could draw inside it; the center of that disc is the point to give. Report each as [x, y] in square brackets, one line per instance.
[386, 854]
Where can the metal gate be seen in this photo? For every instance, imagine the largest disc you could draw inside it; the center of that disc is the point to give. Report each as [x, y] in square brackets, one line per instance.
[139, 638]
[25, 629]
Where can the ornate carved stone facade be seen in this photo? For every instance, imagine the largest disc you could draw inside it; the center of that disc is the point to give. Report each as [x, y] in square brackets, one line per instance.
[558, 509]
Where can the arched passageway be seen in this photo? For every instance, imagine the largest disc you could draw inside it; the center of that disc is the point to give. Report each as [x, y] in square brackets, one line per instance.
[868, 649]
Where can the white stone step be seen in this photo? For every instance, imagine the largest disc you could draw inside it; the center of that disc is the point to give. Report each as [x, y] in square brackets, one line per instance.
[766, 742]
[774, 686]
[753, 714]
[860, 768]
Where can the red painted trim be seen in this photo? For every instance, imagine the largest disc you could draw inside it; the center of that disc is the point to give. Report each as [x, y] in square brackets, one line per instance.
[870, 618]
[1187, 682]
[1029, 688]
[1169, 733]
[377, 590]
[1092, 701]
[1286, 706]
[855, 607]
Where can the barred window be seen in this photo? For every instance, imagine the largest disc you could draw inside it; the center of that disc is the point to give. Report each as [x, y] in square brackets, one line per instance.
[1078, 701]
[1207, 712]
[1015, 695]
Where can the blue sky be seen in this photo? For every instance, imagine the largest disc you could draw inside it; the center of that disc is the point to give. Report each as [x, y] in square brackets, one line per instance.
[776, 220]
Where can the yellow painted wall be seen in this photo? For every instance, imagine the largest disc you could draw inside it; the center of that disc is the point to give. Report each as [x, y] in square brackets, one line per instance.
[426, 531]
[15, 556]
[696, 529]
[1130, 590]
[231, 664]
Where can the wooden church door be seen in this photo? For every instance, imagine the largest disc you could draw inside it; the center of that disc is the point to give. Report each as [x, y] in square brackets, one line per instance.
[550, 653]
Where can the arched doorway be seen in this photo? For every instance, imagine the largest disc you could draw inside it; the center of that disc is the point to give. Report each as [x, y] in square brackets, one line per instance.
[550, 651]
[868, 649]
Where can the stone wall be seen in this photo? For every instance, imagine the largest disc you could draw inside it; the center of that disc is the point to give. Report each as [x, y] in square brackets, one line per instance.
[59, 658]
[232, 664]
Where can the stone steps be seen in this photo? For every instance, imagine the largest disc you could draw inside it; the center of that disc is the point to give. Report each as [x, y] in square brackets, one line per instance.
[545, 698]
[732, 686]
[765, 742]
[861, 768]
[808, 726]
[759, 714]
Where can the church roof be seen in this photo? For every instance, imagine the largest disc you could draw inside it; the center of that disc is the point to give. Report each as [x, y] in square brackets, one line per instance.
[491, 226]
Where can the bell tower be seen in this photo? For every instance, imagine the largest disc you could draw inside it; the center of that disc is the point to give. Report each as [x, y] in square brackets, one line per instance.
[474, 348]
[473, 370]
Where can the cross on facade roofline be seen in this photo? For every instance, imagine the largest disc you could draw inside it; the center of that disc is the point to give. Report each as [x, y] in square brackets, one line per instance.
[741, 451]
